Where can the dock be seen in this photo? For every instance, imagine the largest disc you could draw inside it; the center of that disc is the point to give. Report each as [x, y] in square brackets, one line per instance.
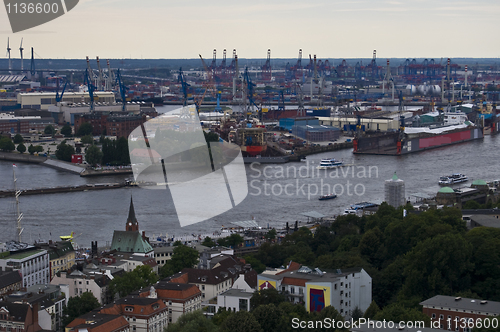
[66, 189]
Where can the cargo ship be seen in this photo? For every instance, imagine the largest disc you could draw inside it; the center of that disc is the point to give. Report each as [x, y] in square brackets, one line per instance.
[409, 140]
[251, 140]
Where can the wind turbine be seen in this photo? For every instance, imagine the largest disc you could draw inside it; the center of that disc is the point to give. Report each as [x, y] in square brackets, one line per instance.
[8, 54]
[21, 49]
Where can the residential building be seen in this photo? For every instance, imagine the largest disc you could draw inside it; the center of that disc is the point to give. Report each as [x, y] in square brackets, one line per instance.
[180, 298]
[61, 255]
[49, 301]
[10, 281]
[134, 261]
[94, 279]
[234, 300]
[96, 322]
[164, 253]
[453, 313]
[18, 317]
[344, 289]
[219, 279]
[207, 255]
[142, 313]
[131, 241]
[33, 264]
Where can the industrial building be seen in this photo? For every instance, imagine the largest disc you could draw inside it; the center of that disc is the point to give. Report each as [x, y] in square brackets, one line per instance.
[117, 124]
[10, 123]
[43, 100]
[316, 133]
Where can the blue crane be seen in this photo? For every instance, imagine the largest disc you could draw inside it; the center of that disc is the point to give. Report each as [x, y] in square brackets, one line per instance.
[123, 89]
[59, 97]
[250, 92]
[91, 89]
[184, 85]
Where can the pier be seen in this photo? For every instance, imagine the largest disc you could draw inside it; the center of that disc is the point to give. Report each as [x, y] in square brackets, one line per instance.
[66, 189]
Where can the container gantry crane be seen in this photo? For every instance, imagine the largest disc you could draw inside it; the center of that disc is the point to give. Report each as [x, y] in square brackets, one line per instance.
[123, 89]
[184, 86]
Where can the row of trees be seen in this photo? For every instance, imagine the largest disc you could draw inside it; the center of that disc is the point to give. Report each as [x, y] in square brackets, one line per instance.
[409, 259]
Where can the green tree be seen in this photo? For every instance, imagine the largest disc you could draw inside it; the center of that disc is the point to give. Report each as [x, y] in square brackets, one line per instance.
[271, 234]
[182, 257]
[21, 148]
[192, 322]
[208, 242]
[221, 315]
[6, 144]
[399, 313]
[64, 151]
[66, 130]
[49, 130]
[266, 296]
[142, 276]
[18, 139]
[93, 155]
[122, 151]
[87, 139]
[372, 310]
[329, 313]
[84, 129]
[439, 265]
[255, 263]
[79, 305]
[357, 313]
[233, 240]
[31, 149]
[241, 321]
[271, 318]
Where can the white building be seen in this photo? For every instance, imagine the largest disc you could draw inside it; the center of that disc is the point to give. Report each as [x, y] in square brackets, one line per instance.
[32, 264]
[234, 300]
[344, 290]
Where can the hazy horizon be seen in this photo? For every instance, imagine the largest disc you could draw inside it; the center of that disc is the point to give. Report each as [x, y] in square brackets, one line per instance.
[335, 29]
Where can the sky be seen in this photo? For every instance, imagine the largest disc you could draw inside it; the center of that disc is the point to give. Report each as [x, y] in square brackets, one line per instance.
[182, 29]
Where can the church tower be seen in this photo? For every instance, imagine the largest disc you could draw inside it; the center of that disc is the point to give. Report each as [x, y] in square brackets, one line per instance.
[132, 224]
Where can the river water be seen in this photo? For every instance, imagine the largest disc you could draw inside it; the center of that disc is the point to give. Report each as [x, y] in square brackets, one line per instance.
[276, 193]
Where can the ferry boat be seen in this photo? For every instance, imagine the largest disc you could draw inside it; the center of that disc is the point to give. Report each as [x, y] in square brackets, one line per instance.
[358, 207]
[330, 163]
[452, 179]
[326, 197]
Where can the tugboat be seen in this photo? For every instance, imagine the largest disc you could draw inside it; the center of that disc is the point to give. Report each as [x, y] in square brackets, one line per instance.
[326, 197]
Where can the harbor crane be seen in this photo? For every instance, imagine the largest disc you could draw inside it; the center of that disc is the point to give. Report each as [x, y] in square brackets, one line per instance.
[32, 69]
[184, 86]
[90, 88]
[8, 54]
[93, 77]
[210, 85]
[266, 68]
[21, 49]
[123, 89]
[250, 95]
[110, 79]
[101, 76]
